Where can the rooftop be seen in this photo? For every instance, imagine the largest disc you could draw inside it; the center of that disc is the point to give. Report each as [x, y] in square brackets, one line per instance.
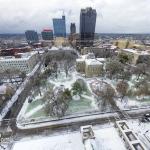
[23, 56]
[106, 138]
[135, 51]
[60, 48]
[92, 62]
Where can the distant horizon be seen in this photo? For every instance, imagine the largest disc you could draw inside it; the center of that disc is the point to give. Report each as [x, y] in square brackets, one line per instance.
[113, 16]
[77, 33]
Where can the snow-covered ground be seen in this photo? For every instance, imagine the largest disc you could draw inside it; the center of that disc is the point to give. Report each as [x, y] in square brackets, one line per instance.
[142, 130]
[18, 92]
[107, 138]
[127, 102]
[85, 104]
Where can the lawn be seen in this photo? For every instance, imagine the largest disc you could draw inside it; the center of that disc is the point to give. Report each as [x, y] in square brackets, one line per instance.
[33, 105]
[81, 105]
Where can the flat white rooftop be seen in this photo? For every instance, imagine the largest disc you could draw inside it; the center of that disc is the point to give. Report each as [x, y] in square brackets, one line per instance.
[137, 52]
[92, 62]
[24, 56]
[107, 138]
[54, 48]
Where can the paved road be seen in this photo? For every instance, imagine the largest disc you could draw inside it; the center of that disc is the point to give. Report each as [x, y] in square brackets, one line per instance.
[75, 122]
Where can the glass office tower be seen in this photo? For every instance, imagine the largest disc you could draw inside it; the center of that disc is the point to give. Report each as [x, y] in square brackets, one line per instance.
[31, 36]
[72, 28]
[59, 25]
[47, 34]
[87, 26]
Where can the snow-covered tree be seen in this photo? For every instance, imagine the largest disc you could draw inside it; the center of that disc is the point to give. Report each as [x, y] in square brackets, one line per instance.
[122, 88]
[143, 87]
[58, 102]
[113, 68]
[124, 58]
[106, 96]
[140, 70]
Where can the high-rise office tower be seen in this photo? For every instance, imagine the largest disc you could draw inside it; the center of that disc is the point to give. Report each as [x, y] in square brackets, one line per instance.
[59, 25]
[72, 28]
[31, 36]
[47, 34]
[87, 26]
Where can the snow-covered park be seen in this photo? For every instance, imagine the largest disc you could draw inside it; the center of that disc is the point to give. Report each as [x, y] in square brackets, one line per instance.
[78, 103]
[129, 101]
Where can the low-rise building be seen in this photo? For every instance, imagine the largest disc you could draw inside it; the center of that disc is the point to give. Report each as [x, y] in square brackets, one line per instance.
[93, 67]
[61, 41]
[89, 65]
[131, 140]
[124, 43]
[23, 62]
[100, 52]
[137, 56]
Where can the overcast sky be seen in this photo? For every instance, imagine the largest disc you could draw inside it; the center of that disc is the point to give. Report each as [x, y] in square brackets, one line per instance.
[113, 16]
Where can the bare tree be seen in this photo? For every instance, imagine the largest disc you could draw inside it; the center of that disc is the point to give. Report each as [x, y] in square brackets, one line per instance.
[22, 75]
[58, 104]
[143, 87]
[113, 68]
[106, 96]
[140, 70]
[68, 64]
[37, 84]
[122, 88]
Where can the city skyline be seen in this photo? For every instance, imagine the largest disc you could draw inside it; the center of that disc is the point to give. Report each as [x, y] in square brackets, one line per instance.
[38, 14]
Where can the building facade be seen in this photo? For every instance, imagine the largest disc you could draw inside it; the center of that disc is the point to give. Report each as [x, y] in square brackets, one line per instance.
[47, 34]
[59, 25]
[31, 36]
[100, 52]
[90, 66]
[137, 56]
[72, 28]
[93, 68]
[87, 26]
[25, 62]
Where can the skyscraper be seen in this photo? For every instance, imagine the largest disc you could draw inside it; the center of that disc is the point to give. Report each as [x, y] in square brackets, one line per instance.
[87, 26]
[47, 34]
[72, 28]
[31, 36]
[59, 25]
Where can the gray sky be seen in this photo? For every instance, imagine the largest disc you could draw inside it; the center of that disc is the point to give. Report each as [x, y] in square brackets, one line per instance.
[114, 16]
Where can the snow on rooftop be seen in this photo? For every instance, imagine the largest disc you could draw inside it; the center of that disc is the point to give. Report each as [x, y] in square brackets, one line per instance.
[60, 48]
[142, 130]
[92, 62]
[54, 48]
[113, 47]
[130, 50]
[101, 59]
[26, 55]
[137, 52]
[107, 138]
[80, 60]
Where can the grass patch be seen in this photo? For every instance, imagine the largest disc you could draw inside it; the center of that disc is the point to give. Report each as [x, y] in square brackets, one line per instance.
[39, 113]
[77, 106]
[33, 105]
